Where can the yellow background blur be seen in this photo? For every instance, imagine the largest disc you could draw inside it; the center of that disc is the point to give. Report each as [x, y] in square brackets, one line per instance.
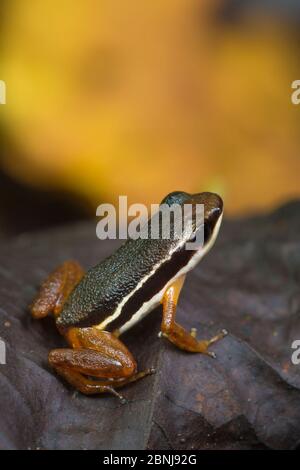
[107, 97]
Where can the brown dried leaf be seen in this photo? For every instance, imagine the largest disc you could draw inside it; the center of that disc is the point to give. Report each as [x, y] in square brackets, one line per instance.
[249, 397]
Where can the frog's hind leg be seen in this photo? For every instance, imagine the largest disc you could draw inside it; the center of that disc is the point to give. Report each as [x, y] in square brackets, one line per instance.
[56, 289]
[176, 333]
[95, 355]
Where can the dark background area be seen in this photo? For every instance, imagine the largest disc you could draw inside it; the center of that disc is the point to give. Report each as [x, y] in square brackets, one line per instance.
[24, 209]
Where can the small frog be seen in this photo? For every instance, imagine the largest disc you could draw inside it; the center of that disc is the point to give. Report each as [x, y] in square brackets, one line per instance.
[93, 309]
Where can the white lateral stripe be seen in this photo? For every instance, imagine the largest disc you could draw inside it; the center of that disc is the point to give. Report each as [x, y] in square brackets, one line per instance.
[148, 306]
[118, 310]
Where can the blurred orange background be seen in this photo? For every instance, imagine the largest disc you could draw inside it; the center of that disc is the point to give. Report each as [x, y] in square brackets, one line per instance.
[106, 98]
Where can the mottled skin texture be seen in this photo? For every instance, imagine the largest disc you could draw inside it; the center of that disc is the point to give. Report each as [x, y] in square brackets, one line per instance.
[105, 285]
[97, 361]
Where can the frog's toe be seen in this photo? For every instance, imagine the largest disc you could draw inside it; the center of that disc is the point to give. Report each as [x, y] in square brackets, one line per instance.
[211, 354]
[193, 332]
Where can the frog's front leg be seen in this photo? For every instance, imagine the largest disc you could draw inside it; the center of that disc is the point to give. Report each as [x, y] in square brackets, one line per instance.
[176, 333]
[95, 354]
[56, 289]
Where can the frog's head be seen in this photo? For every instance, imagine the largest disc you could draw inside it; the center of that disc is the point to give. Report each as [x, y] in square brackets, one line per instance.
[212, 206]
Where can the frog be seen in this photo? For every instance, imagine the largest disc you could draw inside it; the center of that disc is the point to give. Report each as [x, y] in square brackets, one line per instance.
[93, 309]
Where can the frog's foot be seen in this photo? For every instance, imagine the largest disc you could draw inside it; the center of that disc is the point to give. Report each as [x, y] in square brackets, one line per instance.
[56, 289]
[193, 332]
[204, 344]
[176, 333]
[98, 362]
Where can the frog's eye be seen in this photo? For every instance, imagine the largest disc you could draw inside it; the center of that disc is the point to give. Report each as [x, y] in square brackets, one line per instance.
[176, 197]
